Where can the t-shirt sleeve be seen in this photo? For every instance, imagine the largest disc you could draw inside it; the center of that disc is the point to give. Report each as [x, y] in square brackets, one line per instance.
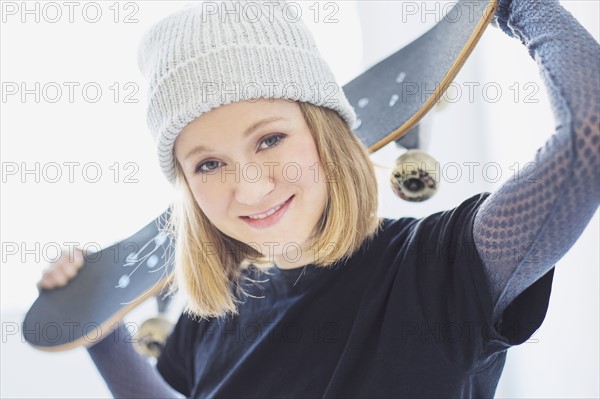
[443, 272]
[524, 315]
[175, 362]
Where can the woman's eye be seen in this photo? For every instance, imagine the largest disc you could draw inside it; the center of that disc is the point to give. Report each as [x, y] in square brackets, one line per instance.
[271, 141]
[207, 166]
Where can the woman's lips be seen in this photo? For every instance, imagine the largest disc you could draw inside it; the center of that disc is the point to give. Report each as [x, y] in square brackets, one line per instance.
[269, 218]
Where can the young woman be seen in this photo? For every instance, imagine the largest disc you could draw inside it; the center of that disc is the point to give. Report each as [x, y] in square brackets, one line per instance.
[294, 286]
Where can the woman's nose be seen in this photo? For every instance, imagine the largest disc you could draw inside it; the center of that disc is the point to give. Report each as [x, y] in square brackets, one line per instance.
[254, 183]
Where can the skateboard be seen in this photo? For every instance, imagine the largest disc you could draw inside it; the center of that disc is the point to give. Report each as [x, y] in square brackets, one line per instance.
[390, 99]
[111, 283]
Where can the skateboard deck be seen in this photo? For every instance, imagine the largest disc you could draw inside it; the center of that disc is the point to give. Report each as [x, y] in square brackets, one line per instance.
[389, 98]
[111, 283]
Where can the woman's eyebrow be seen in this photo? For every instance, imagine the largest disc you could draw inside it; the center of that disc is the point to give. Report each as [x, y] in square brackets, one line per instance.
[255, 126]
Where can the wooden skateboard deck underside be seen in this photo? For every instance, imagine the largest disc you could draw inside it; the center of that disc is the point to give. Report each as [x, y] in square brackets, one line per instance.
[391, 97]
[112, 282]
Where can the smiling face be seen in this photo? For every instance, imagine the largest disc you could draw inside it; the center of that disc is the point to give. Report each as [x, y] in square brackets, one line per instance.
[255, 172]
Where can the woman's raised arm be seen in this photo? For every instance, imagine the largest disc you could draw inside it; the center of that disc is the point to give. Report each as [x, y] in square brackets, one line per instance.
[541, 214]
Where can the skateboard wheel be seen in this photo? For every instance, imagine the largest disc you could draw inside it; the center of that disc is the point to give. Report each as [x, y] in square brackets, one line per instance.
[152, 336]
[415, 176]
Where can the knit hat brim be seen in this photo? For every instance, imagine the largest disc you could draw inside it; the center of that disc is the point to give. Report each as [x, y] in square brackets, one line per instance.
[191, 89]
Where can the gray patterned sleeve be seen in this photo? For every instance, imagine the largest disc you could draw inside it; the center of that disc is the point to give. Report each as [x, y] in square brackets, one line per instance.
[531, 222]
[126, 373]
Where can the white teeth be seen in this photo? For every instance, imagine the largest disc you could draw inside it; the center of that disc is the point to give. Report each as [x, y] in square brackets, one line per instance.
[267, 214]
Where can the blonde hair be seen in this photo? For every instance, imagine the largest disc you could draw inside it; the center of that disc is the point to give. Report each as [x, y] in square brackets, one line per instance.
[208, 263]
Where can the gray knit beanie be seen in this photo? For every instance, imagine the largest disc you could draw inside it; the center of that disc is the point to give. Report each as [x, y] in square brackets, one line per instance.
[214, 53]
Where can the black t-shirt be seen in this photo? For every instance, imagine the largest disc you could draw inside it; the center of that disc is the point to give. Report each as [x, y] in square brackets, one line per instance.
[408, 315]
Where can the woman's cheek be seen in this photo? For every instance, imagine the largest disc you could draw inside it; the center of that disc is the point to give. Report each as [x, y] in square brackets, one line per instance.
[209, 198]
[304, 165]
[314, 172]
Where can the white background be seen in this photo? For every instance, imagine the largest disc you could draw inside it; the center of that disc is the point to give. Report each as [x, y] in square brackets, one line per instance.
[562, 359]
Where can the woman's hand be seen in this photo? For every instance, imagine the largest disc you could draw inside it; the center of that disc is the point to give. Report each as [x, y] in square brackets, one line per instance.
[505, 11]
[61, 271]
